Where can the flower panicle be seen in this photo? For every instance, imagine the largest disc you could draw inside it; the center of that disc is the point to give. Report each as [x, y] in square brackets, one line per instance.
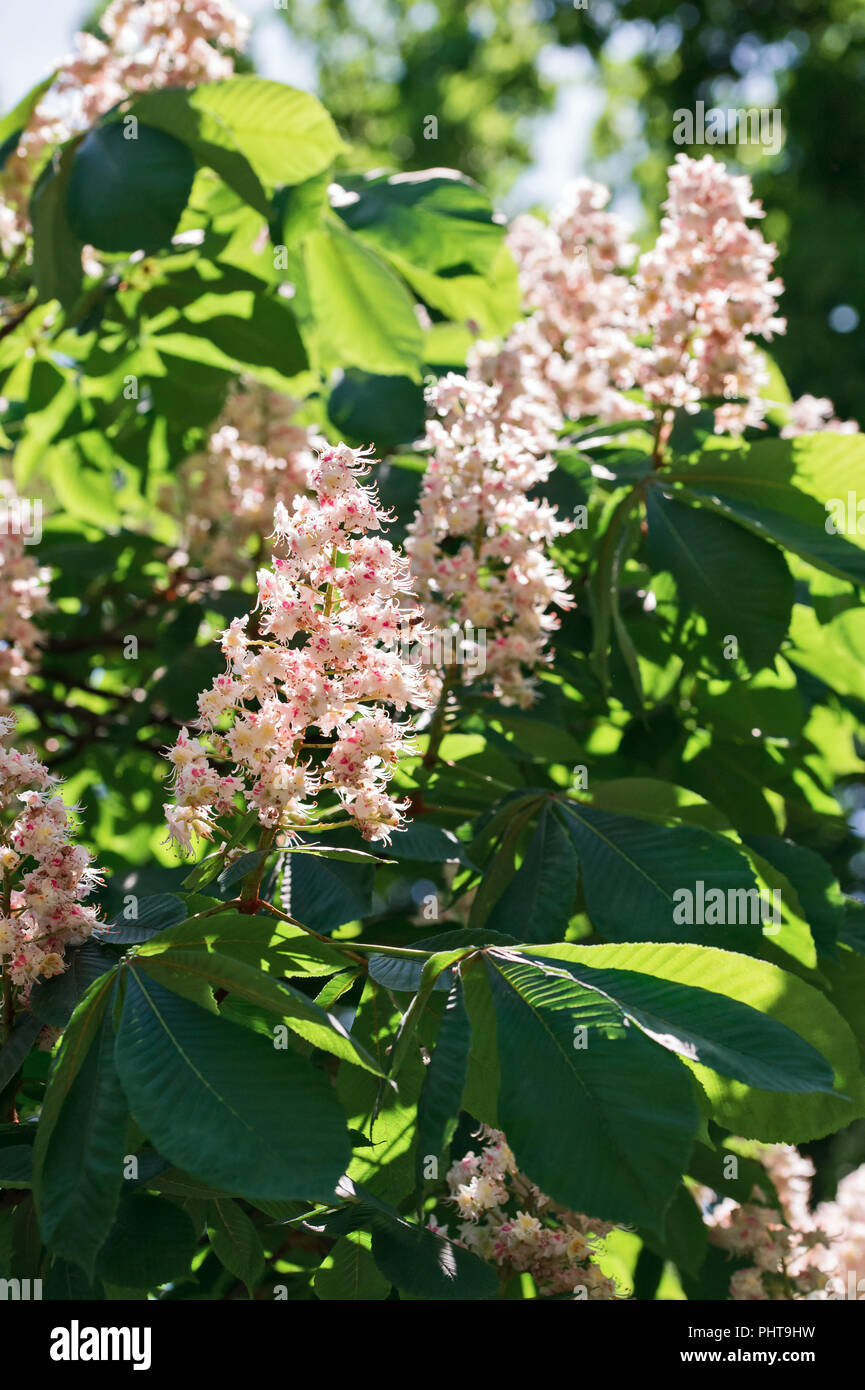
[305, 709]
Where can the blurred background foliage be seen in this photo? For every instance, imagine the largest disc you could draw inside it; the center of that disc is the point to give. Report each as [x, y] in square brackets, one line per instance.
[526, 93]
[496, 76]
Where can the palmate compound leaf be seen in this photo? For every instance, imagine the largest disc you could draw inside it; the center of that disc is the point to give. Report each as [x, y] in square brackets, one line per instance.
[224, 1104]
[598, 1116]
[753, 1112]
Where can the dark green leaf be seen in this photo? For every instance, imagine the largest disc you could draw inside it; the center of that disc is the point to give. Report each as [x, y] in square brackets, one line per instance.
[152, 1242]
[631, 870]
[537, 904]
[223, 1104]
[740, 584]
[597, 1115]
[79, 1170]
[127, 194]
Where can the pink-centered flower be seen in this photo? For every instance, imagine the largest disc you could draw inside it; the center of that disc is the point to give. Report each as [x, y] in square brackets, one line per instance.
[506, 1220]
[224, 497]
[478, 543]
[48, 876]
[23, 594]
[305, 713]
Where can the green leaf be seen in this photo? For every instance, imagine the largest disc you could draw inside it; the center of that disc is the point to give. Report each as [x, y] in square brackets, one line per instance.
[362, 315]
[443, 1082]
[79, 1036]
[705, 1026]
[435, 219]
[206, 871]
[433, 969]
[429, 844]
[15, 120]
[16, 1166]
[351, 1274]
[814, 882]
[741, 585]
[298, 209]
[604, 581]
[56, 248]
[285, 135]
[426, 1266]
[349, 855]
[853, 931]
[421, 1264]
[79, 1168]
[537, 904]
[779, 488]
[153, 914]
[152, 1242]
[385, 1115]
[16, 1048]
[210, 139]
[325, 893]
[245, 331]
[69, 1283]
[252, 939]
[367, 405]
[597, 1115]
[53, 1001]
[236, 1242]
[632, 869]
[833, 651]
[221, 1103]
[754, 1113]
[737, 1180]
[500, 871]
[298, 1010]
[685, 1239]
[128, 194]
[398, 973]
[659, 801]
[239, 868]
[489, 303]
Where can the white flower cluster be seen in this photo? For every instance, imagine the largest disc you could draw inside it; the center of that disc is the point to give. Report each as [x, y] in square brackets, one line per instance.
[23, 594]
[224, 497]
[509, 1222]
[44, 877]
